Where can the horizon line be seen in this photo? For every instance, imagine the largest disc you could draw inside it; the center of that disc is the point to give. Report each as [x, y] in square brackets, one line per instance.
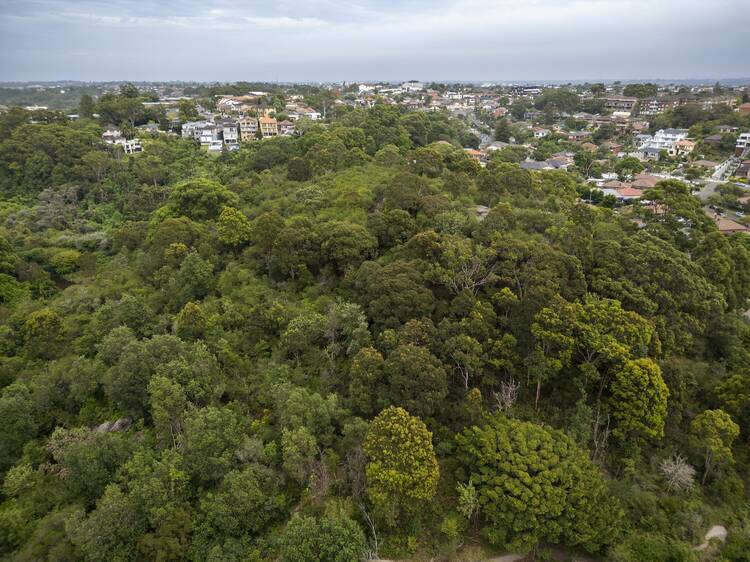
[383, 80]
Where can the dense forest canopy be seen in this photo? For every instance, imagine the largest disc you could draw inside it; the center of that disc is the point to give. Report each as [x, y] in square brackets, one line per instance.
[313, 348]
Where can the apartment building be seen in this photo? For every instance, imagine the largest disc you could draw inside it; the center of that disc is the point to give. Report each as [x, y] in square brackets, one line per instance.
[248, 129]
[655, 106]
[620, 103]
[268, 127]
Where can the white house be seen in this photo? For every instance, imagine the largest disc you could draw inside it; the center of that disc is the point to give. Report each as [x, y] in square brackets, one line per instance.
[310, 113]
[647, 153]
[664, 139]
[743, 143]
[412, 86]
[192, 129]
[115, 137]
[300, 111]
[229, 104]
[230, 131]
[111, 135]
[130, 146]
[209, 133]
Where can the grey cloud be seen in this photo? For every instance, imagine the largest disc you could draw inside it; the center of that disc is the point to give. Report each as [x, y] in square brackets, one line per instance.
[373, 39]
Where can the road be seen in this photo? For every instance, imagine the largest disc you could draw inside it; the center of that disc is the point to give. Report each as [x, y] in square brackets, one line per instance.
[477, 127]
[708, 189]
[717, 178]
[721, 171]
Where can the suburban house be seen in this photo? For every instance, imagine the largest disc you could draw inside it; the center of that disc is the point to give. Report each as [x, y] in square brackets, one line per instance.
[641, 139]
[236, 103]
[629, 193]
[613, 185]
[645, 181]
[477, 155]
[743, 143]
[209, 133]
[301, 111]
[639, 126]
[130, 146]
[110, 135]
[648, 153]
[115, 137]
[286, 127]
[725, 225]
[540, 132]
[268, 126]
[412, 86]
[681, 148]
[228, 104]
[613, 147]
[713, 139]
[578, 136]
[537, 166]
[216, 146]
[744, 109]
[230, 131]
[497, 145]
[560, 162]
[666, 138]
[192, 129]
[623, 193]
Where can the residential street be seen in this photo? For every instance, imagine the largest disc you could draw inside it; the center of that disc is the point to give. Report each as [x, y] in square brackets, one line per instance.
[717, 178]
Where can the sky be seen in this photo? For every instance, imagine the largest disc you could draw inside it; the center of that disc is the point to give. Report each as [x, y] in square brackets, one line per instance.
[331, 40]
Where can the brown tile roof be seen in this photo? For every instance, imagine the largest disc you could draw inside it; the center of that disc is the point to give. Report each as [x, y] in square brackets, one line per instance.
[614, 184]
[725, 225]
[645, 181]
[630, 192]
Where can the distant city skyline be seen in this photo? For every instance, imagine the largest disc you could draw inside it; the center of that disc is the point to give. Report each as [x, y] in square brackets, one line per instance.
[371, 40]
